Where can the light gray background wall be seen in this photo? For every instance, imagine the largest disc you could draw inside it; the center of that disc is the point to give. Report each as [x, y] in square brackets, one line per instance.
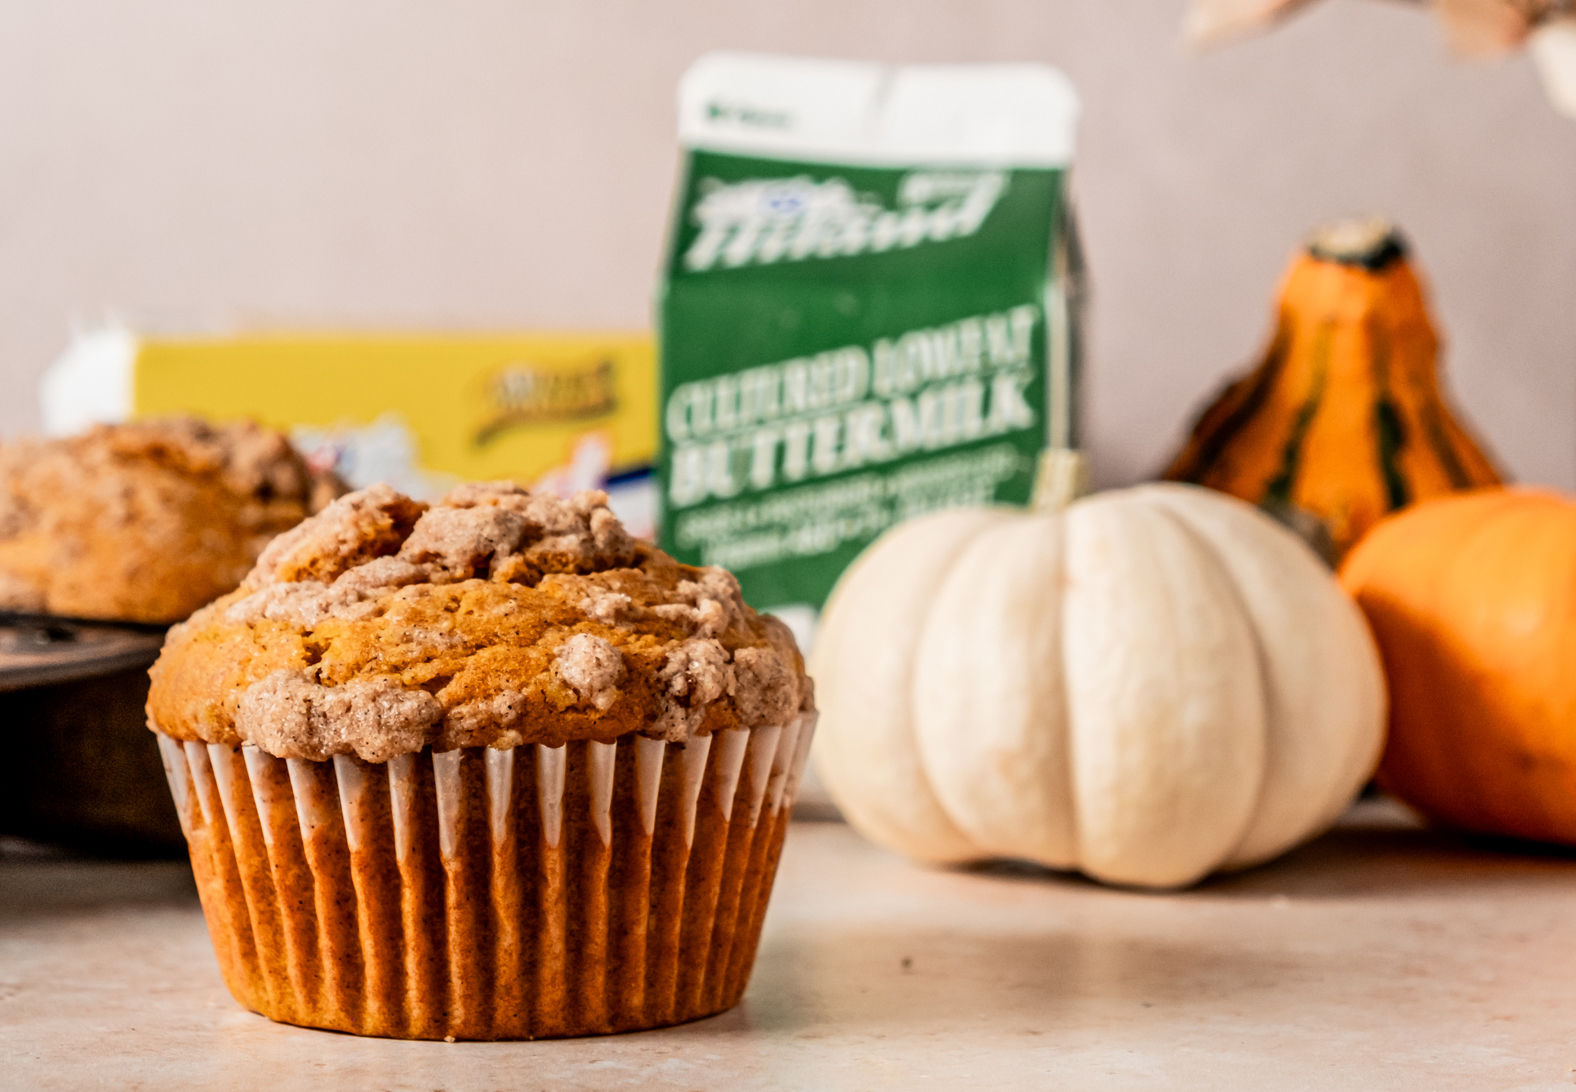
[503, 163]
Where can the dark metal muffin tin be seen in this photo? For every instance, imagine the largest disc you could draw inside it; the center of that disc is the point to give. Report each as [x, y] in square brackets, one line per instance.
[78, 766]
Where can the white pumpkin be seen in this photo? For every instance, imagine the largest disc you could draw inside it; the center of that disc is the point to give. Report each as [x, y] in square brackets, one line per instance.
[1149, 686]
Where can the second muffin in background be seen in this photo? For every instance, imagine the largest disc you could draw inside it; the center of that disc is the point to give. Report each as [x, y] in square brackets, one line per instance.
[147, 521]
[492, 769]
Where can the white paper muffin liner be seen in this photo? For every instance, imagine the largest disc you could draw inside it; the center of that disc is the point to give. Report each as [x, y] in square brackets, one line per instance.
[490, 894]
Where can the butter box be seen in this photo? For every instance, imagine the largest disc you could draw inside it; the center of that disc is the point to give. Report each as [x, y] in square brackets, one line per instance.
[559, 411]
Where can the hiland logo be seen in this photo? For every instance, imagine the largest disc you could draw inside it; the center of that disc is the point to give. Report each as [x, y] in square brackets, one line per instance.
[770, 220]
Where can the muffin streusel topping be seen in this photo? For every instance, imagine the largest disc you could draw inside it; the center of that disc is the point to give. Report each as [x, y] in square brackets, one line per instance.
[145, 521]
[496, 617]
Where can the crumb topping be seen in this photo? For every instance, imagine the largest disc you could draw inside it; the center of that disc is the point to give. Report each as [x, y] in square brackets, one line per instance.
[289, 712]
[495, 617]
[592, 668]
[357, 527]
[145, 521]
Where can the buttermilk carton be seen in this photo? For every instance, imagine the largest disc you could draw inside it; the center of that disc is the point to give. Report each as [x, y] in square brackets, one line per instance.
[868, 311]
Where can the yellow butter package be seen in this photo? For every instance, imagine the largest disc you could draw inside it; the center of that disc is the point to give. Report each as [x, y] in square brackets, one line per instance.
[558, 411]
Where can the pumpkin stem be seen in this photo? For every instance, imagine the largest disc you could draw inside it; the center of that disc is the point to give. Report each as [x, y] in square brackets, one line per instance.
[1370, 242]
[1061, 477]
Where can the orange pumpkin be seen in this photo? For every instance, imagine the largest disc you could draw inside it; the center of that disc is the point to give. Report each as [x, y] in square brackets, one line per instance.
[1344, 417]
[1472, 600]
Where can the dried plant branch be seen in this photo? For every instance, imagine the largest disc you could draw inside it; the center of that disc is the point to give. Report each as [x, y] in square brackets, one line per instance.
[1474, 28]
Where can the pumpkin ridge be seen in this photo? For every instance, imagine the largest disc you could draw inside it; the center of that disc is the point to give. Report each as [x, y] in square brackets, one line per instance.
[1210, 547]
[1431, 413]
[1278, 491]
[911, 820]
[1434, 430]
[1389, 430]
[953, 656]
[1479, 464]
[1205, 733]
[1209, 440]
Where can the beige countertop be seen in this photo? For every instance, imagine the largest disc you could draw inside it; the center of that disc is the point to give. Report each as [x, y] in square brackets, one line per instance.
[1380, 957]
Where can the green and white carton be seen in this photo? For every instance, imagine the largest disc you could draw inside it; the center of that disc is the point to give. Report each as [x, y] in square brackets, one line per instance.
[868, 311]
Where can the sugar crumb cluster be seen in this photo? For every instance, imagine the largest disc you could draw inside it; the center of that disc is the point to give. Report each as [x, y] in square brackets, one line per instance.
[494, 617]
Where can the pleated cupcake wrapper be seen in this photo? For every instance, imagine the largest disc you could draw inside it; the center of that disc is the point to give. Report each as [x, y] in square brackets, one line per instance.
[490, 894]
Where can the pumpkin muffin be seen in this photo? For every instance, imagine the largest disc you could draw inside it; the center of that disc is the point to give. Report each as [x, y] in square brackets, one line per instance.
[145, 522]
[489, 769]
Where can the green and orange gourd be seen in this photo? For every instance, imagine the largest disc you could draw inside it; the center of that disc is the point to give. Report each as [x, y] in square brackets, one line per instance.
[1344, 418]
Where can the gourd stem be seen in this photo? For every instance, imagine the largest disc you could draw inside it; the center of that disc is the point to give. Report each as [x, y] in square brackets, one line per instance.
[1061, 477]
[1370, 243]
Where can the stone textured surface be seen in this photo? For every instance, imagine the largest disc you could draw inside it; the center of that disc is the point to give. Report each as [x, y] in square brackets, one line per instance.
[1381, 956]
